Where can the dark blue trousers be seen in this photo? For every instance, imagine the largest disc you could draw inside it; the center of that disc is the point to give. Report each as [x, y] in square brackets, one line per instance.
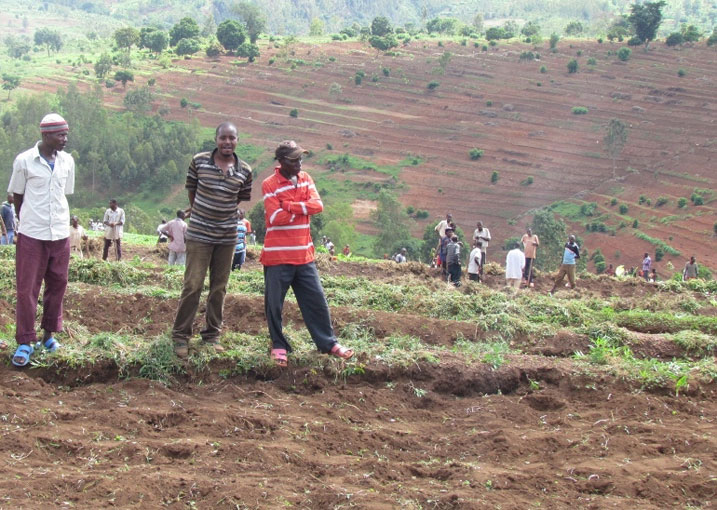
[304, 280]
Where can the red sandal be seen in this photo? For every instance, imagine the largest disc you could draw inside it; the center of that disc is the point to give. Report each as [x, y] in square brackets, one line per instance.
[279, 357]
[341, 352]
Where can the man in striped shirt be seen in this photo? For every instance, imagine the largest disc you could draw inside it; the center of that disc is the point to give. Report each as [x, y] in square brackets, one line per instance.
[290, 199]
[216, 182]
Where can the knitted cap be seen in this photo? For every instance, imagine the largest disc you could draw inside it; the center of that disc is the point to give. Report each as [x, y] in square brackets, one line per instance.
[52, 123]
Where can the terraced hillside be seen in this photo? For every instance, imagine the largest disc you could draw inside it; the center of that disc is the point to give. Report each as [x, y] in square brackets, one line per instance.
[491, 100]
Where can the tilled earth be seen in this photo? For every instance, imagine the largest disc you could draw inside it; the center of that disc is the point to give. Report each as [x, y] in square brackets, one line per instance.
[538, 432]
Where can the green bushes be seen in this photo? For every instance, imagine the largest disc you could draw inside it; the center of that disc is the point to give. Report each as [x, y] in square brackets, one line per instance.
[494, 177]
[623, 208]
[661, 201]
[681, 202]
[433, 85]
[527, 181]
[624, 54]
[294, 113]
[573, 66]
[579, 110]
[476, 153]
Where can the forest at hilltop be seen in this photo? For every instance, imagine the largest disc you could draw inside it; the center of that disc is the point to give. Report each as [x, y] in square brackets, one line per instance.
[295, 16]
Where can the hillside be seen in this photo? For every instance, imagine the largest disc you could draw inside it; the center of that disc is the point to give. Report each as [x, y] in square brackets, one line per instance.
[419, 139]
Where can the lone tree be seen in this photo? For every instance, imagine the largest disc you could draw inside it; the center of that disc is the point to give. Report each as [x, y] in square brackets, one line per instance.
[382, 37]
[126, 37]
[103, 65]
[380, 26]
[615, 140]
[253, 19]
[231, 34]
[51, 39]
[645, 20]
[187, 28]
[124, 77]
[153, 39]
[10, 83]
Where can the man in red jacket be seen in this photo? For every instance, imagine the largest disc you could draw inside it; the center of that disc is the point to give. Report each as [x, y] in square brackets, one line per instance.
[290, 199]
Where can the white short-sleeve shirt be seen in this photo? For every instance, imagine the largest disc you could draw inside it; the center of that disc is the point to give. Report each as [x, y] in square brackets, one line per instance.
[45, 213]
[473, 267]
[514, 264]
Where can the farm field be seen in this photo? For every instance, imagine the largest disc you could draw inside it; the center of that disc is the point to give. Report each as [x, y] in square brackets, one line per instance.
[468, 398]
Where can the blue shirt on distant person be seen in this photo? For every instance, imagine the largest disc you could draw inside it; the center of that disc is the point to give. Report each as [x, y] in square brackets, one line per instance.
[241, 237]
[571, 254]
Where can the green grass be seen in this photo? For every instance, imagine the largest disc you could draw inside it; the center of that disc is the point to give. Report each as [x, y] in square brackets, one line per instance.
[658, 242]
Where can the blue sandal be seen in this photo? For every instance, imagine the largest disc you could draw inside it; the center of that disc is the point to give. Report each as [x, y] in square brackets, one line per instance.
[50, 344]
[23, 353]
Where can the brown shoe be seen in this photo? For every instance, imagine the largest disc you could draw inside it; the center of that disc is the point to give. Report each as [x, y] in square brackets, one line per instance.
[181, 349]
[215, 344]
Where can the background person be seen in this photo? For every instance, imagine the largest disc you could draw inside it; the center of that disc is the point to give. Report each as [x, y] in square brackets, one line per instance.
[77, 235]
[481, 235]
[114, 228]
[453, 261]
[514, 267]
[646, 265]
[41, 179]
[8, 220]
[240, 247]
[474, 264]
[290, 199]
[571, 254]
[530, 246]
[175, 231]
[162, 237]
[691, 270]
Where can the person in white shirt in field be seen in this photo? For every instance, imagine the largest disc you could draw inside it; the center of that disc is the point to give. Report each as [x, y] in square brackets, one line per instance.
[514, 265]
[41, 179]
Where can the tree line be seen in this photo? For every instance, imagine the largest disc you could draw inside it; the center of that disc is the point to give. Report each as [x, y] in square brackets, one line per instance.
[117, 154]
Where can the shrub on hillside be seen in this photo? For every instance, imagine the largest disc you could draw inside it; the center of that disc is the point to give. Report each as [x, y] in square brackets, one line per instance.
[623, 209]
[674, 39]
[579, 110]
[661, 201]
[573, 66]
[494, 177]
[433, 85]
[294, 113]
[681, 72]
[527, 181]
[682, 202]
[476, 153]
[624, 54]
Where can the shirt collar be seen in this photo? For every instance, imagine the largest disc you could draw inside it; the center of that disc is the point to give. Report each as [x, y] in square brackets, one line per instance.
[236, 161]
[281, 178]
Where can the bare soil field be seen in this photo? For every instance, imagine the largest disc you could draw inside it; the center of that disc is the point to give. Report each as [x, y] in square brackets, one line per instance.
[537, 432]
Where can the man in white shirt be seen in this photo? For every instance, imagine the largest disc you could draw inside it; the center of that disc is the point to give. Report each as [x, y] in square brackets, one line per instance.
[443, 225]
[401, 256]
[41, 177]
[474, 264]
[514, 265]
[481, 235]
[114, 228]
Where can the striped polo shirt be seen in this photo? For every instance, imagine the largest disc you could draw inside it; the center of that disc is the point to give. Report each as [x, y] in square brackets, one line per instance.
[214, 213]
[288, 208]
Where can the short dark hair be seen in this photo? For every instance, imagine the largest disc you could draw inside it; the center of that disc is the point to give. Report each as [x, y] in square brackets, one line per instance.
[223, 125]
[180, 213]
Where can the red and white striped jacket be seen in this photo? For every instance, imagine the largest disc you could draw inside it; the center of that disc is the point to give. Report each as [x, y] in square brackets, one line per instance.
[287, 211]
